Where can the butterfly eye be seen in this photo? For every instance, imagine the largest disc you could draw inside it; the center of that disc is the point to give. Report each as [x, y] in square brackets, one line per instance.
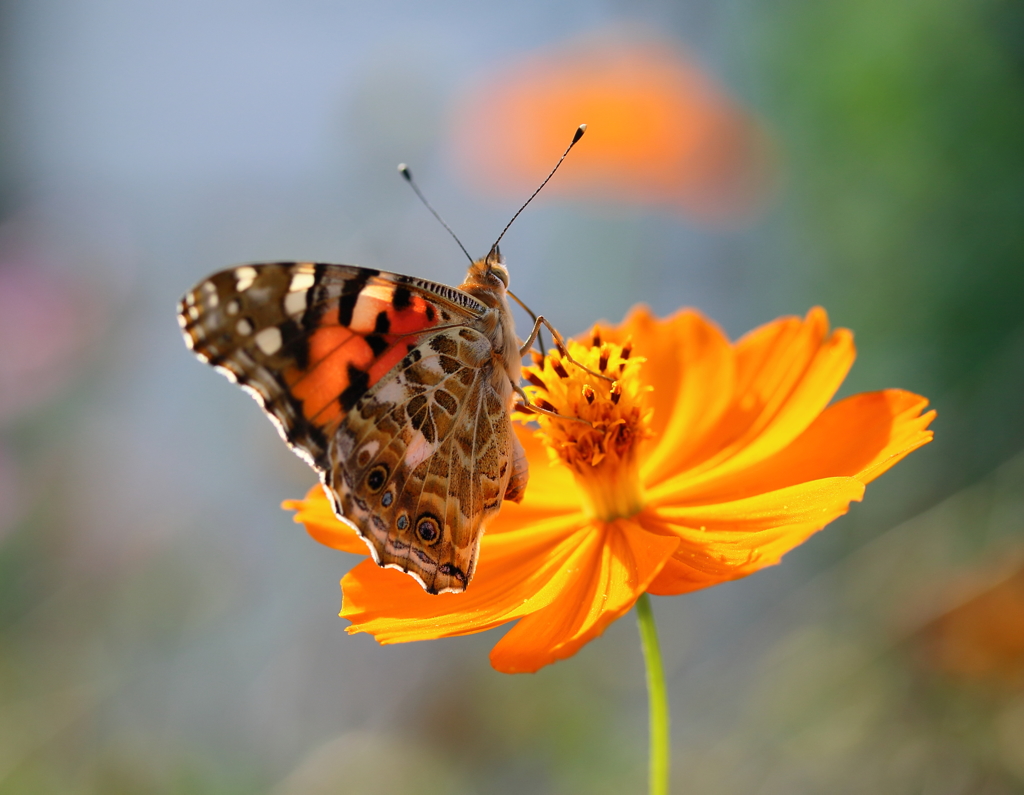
[428, 528]
[377, 478]
[500, 272]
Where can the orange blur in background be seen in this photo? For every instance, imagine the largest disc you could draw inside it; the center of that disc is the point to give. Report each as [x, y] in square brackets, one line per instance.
[659, 130]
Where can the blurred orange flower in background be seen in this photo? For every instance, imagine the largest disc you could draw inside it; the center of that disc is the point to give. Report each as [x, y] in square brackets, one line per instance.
[660, 129]
[982, 637]
[704, 461]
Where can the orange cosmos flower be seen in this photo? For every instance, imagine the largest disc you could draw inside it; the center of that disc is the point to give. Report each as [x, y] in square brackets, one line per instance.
[983, 637]
[661, 130]
[703, 462]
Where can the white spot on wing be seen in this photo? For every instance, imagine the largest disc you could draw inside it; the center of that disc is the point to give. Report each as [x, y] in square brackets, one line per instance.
[370, 448]
[182, 321]
[269, 340]
[295, 303]
[243, 326]
[418, 451]
[372, 300]
[301, 281]
[232, 307]
[244, 277]
[392, 391]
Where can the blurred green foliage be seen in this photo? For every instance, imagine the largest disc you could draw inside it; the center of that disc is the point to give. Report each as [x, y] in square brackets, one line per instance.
[902, 127]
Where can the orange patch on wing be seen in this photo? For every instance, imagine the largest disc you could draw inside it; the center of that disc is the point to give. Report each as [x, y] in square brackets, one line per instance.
[334, 349]
[331, 350]
[418, 316]
[389, 359]
[402, 334]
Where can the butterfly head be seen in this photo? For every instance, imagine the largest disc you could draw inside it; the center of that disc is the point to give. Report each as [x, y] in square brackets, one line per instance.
[496, 266]
[488, 274]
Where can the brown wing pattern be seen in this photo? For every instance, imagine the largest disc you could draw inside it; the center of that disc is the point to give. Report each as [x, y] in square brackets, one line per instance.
[424, 459]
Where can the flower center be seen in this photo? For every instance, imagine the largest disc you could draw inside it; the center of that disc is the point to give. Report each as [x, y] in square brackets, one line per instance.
[601, 423]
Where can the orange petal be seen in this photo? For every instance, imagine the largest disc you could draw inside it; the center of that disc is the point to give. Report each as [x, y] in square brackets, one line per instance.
[730, 540]
[518, 573]
[786, 373]
[689, 367]
[616, 563]
[692, 370]
[860, 436]
[316, 514]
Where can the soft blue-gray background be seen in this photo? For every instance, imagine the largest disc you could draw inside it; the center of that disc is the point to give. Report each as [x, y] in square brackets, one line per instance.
[165, 628]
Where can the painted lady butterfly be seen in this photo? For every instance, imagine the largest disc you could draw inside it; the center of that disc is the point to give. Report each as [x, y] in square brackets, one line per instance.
[396, 390]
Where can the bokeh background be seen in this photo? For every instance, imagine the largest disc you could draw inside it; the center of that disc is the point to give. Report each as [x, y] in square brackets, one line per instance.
[166, 628]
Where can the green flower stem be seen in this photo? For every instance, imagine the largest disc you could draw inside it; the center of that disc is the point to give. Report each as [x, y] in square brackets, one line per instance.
[658, 697]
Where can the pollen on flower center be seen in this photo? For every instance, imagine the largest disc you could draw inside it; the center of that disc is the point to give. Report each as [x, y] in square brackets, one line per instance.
[602, 420]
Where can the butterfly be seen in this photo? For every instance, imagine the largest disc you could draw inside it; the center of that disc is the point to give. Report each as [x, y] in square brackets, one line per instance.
[398, 391]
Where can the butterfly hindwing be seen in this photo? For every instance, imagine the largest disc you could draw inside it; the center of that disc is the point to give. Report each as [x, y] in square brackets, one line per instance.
[424, 459]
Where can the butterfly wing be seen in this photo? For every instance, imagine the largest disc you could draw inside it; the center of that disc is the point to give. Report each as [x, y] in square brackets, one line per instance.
[347, 360]
[425, 459]
[307, 340]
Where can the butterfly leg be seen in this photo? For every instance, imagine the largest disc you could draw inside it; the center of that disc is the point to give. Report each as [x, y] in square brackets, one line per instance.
[533, 317]
[562, 349]
[532, 408]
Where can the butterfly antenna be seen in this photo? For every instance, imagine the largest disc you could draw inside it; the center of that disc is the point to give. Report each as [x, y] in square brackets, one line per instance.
[403, 169]
[576, 137]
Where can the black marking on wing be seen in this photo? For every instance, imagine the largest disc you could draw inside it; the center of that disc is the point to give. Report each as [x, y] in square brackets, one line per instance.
[311, 438]
[350, 294]
[446, 401]
[377, 343]
[451, 570]
[293, 340]
[449, 365]
[358, 383]
[442, 343]
[416, 405]
[402, 298]
[423, 556]
[317, 297]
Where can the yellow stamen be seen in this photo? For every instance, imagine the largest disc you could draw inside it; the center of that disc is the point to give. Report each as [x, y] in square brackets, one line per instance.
[602, 451]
